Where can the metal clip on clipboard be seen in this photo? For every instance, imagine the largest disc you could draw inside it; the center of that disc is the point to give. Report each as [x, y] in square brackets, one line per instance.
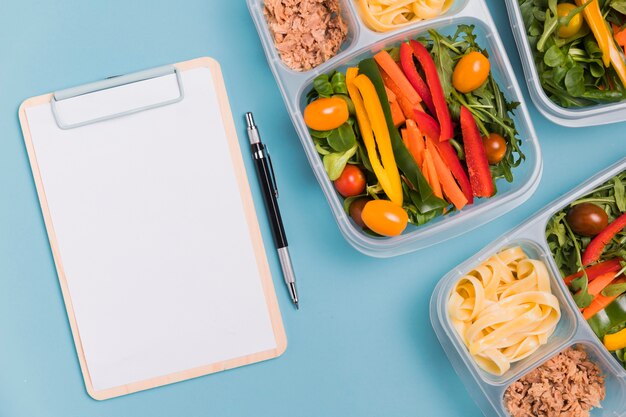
[112, 83]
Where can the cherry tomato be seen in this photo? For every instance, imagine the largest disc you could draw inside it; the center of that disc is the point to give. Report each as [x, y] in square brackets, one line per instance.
[587, 219]
[384, 217]
[574, 25]
[356, 210]
[495, 147]
[326, 113]
[470, 72]
[351, 182]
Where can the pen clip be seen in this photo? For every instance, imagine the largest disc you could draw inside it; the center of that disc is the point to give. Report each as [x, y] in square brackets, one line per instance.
[269, 158]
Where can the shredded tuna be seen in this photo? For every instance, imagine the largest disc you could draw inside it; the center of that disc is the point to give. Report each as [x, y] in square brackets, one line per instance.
[568, 385]
[306, 33]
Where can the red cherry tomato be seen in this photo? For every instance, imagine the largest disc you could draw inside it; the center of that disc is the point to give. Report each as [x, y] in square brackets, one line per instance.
[495, 147]
[587, 219]
[351, 182]
[326, 113]
[384, 217]
[356, 210]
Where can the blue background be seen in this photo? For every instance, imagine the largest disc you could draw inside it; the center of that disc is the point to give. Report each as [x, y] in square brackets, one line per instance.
[361, 345]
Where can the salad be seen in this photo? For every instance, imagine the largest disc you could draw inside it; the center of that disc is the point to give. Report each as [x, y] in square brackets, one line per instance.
[588, 241]
[416, 132]
[578, 49]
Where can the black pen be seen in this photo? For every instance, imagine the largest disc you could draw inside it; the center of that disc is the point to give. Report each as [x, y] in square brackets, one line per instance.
[265, 173]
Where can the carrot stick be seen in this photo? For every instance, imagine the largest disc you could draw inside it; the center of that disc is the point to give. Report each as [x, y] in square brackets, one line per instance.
[597, 285]
[392, 69]
[390, 84]
[396, 113]
[405, 138]
[619, 35]
[415, 142]
[390, 95]
[450, 188]
[406, 105]
[600, 302]
[426, 173]
[432, 172]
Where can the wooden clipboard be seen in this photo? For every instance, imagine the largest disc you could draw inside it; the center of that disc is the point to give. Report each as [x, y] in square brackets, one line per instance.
[69, 258]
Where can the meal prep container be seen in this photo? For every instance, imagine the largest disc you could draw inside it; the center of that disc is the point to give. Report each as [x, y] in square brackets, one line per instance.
[361, 43]
[488, 390]
[594, 115]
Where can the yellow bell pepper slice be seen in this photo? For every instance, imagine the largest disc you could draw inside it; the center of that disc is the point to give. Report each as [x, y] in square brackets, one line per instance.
[597, 24]
[375, 133]
[615, 341]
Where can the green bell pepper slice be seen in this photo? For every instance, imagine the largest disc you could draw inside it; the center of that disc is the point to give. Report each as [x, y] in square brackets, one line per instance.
[612, 316]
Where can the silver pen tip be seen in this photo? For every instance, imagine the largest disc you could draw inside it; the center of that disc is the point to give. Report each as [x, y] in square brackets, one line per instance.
[250, 120]
[297, 305]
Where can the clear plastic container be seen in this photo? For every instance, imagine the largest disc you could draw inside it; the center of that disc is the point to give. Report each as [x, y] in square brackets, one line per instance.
[594, 115]
[361, 43]
[488, 390]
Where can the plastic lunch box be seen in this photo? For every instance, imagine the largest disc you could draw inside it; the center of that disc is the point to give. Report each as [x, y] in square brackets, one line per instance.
[587, 116]
[362, 42]
[488, 390]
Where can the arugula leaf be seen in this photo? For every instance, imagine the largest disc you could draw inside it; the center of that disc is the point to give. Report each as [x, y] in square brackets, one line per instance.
[566, 246]
[619, 193]
[487, 104]
[582, 298]
[443, 61]
[551, 24]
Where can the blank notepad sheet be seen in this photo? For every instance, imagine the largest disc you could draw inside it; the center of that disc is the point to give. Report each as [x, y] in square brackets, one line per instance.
[151, 230]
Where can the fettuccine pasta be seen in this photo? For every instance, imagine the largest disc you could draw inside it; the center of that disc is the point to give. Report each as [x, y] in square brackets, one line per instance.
[384, 15]
[504, 309]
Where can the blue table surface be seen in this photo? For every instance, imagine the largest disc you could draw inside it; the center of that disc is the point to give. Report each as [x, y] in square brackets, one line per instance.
[362, 343]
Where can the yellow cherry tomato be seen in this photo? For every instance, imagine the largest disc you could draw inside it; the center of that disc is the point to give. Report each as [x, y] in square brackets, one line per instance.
[326, 113]
[470, 72]
[384, 217]
[574, 25]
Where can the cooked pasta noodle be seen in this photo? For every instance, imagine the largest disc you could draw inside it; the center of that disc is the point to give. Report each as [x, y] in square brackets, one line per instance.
[384, 15]
[504, 309]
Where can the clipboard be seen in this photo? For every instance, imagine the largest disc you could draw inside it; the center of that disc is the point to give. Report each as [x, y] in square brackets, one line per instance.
[152, 228]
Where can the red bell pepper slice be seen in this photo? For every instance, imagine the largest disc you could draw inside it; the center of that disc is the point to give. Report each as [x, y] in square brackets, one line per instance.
[410, 71]
[593, 272]
[436, 91]
[596, 246]
[426, 124]
[475, 156]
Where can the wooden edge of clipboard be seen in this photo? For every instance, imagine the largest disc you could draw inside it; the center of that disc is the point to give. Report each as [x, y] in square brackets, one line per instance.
[253, 227]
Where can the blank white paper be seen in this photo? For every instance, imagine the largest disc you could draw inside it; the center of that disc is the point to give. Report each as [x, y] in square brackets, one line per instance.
[152, 235]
